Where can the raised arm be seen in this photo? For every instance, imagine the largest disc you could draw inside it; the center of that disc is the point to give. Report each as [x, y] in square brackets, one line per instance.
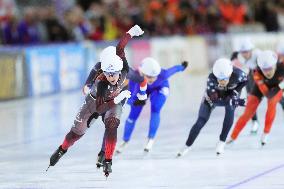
[177, 68]
[134, 31]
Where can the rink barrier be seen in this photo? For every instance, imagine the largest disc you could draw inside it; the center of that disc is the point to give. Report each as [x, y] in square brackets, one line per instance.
[12, 76]
[48, 69]
[55, 68]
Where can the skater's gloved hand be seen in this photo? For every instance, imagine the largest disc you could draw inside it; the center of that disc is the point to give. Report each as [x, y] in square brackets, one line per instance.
[141, 96]
[122, 95]
[272, 92]
[237, 102]
[139, 102]
[184, 64]
[135, 31]
[86, 90]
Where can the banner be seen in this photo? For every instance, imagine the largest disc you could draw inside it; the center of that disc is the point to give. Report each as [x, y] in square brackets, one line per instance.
[72, 63]
[140, 50]
[174, 50]
[43, 70]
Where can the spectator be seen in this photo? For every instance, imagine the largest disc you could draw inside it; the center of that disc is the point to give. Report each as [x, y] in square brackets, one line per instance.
[27, 28]
[55, 31]
[265, 13]
[76, 24]
[10, 31]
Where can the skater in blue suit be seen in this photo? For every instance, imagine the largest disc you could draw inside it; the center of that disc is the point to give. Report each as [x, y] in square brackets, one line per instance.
[157, 89]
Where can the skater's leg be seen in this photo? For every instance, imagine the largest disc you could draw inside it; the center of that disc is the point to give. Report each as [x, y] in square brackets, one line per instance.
[250, 110]
[158, 100]
[130, 122]
[70, 139]
[203, 116]
[112, 120]
[271, 111]
[80, 124]
[77, 131]
[249, 88]
[227, 123]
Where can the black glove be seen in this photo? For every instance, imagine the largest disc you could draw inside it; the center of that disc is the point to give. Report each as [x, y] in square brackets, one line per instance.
[272, 92]
[139, 102]
[237, 102]
[184, 64]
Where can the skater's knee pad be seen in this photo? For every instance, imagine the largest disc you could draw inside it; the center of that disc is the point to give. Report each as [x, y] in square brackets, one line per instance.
[111, 122]
[73, 136]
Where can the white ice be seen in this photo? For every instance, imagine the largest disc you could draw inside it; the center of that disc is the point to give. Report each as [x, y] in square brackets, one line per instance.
[31, 129]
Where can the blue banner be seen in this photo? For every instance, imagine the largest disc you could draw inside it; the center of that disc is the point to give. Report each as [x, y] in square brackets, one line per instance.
[43, 70]
[73, 66]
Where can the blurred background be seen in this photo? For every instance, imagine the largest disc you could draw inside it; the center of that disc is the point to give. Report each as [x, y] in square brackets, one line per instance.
[46, 44]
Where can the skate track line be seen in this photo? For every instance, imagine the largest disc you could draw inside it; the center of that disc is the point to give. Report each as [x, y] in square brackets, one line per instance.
[255, 177]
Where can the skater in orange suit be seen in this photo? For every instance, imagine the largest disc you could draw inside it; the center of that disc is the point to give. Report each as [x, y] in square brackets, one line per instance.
[269, 83]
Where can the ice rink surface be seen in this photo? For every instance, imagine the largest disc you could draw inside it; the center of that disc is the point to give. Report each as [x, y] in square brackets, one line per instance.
[31, 129]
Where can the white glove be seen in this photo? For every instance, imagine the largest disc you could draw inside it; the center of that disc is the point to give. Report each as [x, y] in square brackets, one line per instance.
[122, 95]
[281, 85]
[135, 31]
[86, 90]
[141, 96]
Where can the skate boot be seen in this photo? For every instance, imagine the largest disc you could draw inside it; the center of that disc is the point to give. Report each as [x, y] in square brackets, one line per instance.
[230, 141]
[183, 151]
[107, 167]
[149, 145]
[56, 156]
[121, 147]
[100, 160]
[255, 126]
[220, 147]
[264, 139]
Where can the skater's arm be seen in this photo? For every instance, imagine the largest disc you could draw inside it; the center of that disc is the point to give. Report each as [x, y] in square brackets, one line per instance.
[177, 68]
[134, 31]
[137, 78]
[121, 45]
[94, 71]
[241, 81]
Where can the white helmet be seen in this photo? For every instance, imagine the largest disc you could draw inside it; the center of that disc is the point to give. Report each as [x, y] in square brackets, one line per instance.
[267, 59]
[150, 67]
[245, 44]
[222, 68]
[110, 62]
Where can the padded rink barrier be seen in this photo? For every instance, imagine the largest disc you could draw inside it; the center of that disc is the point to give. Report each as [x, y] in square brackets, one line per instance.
[12, 77]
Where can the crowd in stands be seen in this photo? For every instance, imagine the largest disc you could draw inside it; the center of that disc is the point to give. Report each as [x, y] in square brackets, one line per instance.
[109, 19]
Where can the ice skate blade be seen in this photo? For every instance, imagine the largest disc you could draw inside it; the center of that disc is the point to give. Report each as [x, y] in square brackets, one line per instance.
[99, 166]
[178, 155]
[47, 168]
[146, 150]
[106, 175]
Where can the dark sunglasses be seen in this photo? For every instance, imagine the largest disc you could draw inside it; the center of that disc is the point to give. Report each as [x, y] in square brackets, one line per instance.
[112, 74]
